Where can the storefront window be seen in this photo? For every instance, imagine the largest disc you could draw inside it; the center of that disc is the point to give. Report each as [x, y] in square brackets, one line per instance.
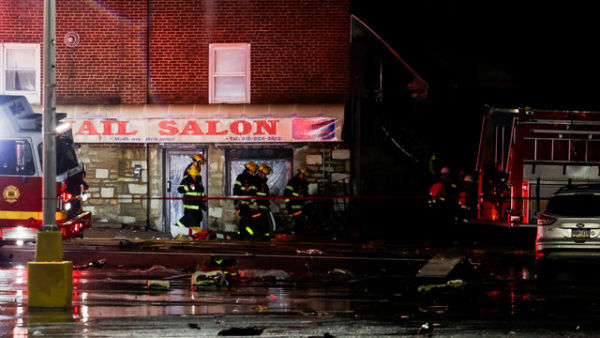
[278, 159]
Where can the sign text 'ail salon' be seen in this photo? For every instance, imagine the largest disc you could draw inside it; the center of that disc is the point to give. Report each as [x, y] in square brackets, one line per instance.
[310, 129]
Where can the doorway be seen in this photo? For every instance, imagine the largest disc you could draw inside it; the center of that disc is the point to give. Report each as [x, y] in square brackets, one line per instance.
[176, 161]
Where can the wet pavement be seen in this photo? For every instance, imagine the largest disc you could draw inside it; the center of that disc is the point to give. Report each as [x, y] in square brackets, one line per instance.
[304, 290]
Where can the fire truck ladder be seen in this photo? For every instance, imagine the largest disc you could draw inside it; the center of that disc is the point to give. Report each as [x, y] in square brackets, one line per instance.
[575, 141]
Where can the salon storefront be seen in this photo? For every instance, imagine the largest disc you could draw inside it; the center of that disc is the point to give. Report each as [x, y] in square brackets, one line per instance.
[135, 155]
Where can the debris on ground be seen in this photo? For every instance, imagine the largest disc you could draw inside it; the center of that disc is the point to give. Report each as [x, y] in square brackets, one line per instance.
[158, 285]
[194, 326]
[456, 283]
[242, 331]
[341, 272]
[264, 275]
[97, 264]
[227, 265]
[310, 252]
[210, 278]
[425, 328]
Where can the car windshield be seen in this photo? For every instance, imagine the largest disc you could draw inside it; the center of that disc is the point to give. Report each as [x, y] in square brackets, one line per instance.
[581, 205]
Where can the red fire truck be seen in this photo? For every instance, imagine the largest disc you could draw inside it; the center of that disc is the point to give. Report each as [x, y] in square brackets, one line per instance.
[525, 155]
[21, 175]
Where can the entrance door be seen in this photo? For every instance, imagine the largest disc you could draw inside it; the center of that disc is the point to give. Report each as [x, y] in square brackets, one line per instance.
[176, 163]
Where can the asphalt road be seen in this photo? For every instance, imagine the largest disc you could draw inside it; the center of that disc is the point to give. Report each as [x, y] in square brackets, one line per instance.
[307, 289]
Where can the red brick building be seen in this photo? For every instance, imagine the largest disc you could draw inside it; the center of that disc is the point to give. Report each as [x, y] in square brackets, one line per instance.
[147, 83]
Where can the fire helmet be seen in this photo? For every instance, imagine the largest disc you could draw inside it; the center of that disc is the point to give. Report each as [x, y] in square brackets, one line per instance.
[445, 171]
[305, 171]
[251, 166]
[265, 169]
[200, 158]
[193, 170]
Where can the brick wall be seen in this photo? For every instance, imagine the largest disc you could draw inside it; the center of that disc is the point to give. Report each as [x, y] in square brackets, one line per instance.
[299, 49]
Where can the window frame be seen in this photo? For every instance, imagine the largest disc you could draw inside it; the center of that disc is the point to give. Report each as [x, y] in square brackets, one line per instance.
[212, 74]
[34, 97]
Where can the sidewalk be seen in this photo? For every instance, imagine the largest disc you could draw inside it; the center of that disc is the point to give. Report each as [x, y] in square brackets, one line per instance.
[119, 231]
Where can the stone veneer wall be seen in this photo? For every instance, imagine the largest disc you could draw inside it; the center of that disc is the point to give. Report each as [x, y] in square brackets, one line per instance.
[117, 196]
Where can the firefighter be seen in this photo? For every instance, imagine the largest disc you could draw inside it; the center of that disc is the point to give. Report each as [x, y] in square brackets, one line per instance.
[297, 187]
[261, 209]
[193, 192]
[443, 190]
[245, 186]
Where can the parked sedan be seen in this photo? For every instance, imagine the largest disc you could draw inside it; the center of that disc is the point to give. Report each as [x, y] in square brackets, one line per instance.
[569, 228]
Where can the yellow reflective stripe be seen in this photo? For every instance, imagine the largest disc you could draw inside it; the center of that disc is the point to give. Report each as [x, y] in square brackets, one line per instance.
[295, 194]
[185, 187]
[260, 193]
[237, 183]
[263, 207]
[252, 187]
[286, 200]
[289, 187]
[296, 206]
[194, 193]
[180, 224]
[191, 207]
[22, 214]
[250, 230]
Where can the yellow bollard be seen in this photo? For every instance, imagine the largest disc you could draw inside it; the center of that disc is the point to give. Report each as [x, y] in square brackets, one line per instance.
[49, 278]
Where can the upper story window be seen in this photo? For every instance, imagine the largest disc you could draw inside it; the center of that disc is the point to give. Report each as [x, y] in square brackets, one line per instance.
[229, 73]
[20, 70]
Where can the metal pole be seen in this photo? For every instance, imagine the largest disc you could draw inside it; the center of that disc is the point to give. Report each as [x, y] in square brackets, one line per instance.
[49, 118]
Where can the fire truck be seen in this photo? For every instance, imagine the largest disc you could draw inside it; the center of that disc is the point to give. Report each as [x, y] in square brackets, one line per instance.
[525, 155]
[21, 175]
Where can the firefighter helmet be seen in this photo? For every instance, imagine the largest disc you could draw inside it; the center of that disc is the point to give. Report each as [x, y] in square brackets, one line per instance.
[251, 166]
[193, 170]
[200, 158]
[265, 169]
[304, 171]
[445, 171]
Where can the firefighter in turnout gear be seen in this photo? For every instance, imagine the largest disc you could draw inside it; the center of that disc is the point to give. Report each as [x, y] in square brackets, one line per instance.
[193, 204]
[260, 209]
[245, 186]
[297, 187]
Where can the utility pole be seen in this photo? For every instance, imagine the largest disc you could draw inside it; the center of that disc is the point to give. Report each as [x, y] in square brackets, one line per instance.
[49, 278]
[49, 117]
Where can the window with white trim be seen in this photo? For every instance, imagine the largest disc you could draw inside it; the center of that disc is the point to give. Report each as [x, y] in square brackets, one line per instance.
[20, 70]
[229, 73]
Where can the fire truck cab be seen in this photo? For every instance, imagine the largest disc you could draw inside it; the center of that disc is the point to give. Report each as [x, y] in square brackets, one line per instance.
[21, 175]
[525, 155]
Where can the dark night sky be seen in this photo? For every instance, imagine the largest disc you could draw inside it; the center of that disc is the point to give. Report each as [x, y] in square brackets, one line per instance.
[503, 53]
[548, 51]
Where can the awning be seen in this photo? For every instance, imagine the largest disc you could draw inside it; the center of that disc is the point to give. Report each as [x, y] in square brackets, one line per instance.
[246, 123]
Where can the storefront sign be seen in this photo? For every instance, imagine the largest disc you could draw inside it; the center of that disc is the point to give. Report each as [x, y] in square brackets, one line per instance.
[301, 129]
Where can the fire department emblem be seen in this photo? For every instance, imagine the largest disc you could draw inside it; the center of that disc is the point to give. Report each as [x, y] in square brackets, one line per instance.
[11, 194]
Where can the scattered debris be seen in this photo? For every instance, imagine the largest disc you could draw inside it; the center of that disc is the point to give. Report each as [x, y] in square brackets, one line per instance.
[310, 252]
[245, 331]
[425, 328]
[264, 275]
[210, 278]
[341, 272]
[456, 283]
[226, 265]
[194, 326]
[158, 285]
[97, 264]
